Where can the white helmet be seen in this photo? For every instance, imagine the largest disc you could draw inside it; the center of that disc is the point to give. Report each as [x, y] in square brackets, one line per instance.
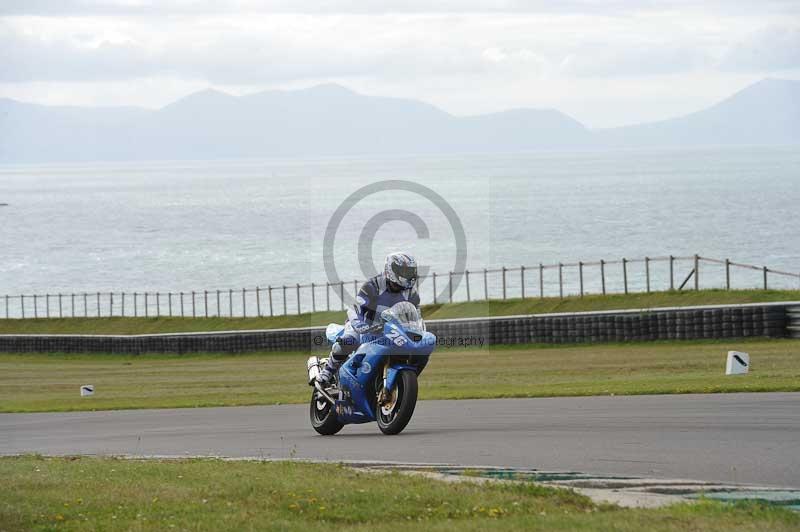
[401, 270]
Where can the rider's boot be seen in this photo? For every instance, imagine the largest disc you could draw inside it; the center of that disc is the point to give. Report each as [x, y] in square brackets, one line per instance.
[331, 367]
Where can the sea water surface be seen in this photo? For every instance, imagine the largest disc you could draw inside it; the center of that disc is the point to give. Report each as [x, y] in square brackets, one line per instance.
[206, 225]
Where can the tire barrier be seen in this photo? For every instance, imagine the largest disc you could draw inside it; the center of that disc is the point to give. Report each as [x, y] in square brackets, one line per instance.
[771, 320]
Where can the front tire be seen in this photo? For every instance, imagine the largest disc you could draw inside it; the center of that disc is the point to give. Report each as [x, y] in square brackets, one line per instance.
[323, 415]
[393, 420]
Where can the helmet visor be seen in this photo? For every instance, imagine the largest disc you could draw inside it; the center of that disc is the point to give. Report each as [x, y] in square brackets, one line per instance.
[405, 273]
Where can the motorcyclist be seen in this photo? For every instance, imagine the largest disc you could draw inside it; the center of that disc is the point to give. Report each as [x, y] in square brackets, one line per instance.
[396, 283]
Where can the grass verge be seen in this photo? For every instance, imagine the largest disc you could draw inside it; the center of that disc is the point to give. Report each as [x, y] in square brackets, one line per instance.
[111, 494]
[130, 325]
[51, 382]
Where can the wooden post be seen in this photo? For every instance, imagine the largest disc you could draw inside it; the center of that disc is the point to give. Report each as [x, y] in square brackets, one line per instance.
[313, 299]
[727, 274]
[522, 280]
[697, 272]
[135, 305]
[603, 275]
[269, 292]
[450, 286]
[244, 302]
[504, 282]
[560, 280]
[258, 301]
[468, 294]
[671, 272]
[647, 273]
[230, 302]
[765, 277]
[580, 275]
[625, 273]
[298, 298]
[434, 288]
[541, 281]
[284, 300]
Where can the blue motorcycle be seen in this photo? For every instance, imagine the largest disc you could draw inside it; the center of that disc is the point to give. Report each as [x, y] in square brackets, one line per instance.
[378, 382]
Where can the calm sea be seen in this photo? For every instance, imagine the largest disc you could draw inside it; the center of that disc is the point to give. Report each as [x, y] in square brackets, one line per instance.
[230, 224]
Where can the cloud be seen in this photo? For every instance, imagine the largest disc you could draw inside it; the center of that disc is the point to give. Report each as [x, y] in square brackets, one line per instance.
[772, 48]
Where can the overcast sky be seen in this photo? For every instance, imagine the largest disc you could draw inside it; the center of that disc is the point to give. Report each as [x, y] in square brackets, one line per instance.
[604, 63]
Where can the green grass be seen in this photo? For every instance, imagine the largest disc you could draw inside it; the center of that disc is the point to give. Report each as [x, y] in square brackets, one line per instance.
[129, 325]
[111, 494]
[51, 382]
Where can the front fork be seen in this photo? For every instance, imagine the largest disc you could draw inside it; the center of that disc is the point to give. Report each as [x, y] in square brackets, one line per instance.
[382, 396]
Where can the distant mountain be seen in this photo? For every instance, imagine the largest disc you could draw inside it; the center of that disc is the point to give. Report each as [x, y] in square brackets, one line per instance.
[332, 120]
[767, 112]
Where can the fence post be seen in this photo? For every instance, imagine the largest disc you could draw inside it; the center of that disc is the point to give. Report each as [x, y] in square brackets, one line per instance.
[328, 296]
[85, 305]
[47, 307]
[205, 302]
[230, 302]
[560, 280]
[504, 282]
[697, 272]
[6, 298]
[450, 285]
[219, 305]
[135, 304]
[72, 297]
[485, 285]
[182, 312]
[541, 281]
[258, 301]
[110, 304]
[341, 294]
[522, 280]
[580, 275]
[468, 294]
[244, 302]
[158, 304]
[169, 303]
[146, 311]
[434, 288]
[194, 308]
[355, 288]
[298, 298]
[671, 272]
[35, 309]
[727, 274]
[603, 275]
[22, 305]
[284, 300]
[647, 273]
[60, 312]
[625, 274]
[269, 291]
[313, 299]
[765, 277]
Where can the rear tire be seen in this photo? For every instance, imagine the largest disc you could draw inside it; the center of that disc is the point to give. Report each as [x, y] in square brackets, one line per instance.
[323, 415]
[396, 420]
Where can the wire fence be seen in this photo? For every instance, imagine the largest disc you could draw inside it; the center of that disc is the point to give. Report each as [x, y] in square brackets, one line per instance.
[649, 274]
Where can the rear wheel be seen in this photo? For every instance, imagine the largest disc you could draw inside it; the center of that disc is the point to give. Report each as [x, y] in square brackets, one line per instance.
[323, 415]
[396, 412]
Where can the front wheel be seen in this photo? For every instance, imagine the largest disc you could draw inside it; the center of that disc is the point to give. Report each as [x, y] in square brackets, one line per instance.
[323, 415]
[394, 415]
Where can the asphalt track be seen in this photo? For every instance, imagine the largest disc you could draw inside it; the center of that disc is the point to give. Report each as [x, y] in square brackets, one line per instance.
[732, 438]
